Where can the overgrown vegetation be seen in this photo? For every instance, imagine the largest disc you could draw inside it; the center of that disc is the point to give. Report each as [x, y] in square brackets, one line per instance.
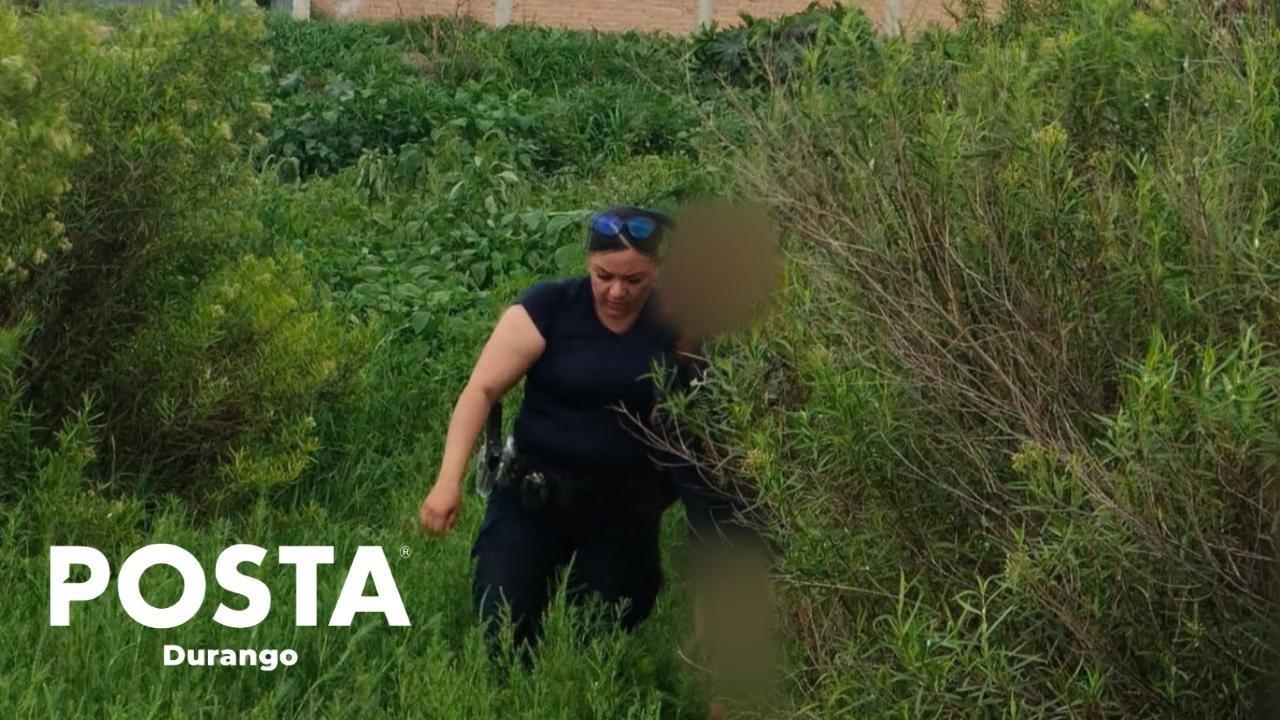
[1019, 420]
[201, 347]
[1015, 420]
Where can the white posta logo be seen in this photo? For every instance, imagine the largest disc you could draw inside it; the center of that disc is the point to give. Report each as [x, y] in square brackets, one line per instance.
[369, 562]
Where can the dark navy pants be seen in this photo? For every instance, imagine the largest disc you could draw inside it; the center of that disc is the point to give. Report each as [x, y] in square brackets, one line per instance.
[519, 555]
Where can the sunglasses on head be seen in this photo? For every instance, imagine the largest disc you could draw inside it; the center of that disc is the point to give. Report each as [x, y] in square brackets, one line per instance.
[637, 227]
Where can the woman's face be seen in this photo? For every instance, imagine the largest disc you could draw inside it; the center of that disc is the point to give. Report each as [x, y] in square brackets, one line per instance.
[621, 281]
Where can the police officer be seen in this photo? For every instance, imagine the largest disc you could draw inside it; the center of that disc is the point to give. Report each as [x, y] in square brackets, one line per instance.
[583, 490]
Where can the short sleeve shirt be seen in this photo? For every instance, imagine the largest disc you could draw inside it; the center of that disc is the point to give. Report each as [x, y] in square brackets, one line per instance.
[587, 377]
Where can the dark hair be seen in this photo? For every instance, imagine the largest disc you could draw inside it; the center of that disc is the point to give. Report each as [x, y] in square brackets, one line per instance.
[650, 246]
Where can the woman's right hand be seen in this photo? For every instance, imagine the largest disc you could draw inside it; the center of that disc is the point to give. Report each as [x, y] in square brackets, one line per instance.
[440, 508]
[514, 345]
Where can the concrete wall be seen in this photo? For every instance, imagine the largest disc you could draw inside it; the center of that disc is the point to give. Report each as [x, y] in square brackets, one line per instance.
[671, 16]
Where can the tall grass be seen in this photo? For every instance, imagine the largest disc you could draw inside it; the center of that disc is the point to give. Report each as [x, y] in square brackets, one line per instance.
[1018, 424]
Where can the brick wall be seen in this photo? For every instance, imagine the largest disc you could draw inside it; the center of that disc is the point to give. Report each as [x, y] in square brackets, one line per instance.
[727, 12]
[386, 9]
[671, 16]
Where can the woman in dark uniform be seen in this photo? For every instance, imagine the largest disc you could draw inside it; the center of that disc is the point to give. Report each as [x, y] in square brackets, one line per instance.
[587, 493]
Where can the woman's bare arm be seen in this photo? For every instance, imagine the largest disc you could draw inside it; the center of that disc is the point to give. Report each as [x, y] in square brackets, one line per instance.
[512, 348]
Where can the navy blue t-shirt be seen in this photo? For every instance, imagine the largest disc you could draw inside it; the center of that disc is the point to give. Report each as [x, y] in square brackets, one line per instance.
[569, 415]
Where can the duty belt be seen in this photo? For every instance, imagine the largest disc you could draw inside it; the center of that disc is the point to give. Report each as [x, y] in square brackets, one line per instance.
[542, 485]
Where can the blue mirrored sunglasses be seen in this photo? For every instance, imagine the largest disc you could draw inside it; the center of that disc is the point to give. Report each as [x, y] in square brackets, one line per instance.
[638, 227]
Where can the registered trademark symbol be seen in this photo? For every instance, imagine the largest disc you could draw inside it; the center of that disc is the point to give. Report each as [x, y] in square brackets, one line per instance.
[405, 551]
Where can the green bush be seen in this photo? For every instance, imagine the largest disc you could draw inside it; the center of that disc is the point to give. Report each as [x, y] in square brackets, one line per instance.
[1017, 419]
[38, 148]
[220, 393]
[161, 105]
[827, 44]
[202, 361]
[344, 90]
